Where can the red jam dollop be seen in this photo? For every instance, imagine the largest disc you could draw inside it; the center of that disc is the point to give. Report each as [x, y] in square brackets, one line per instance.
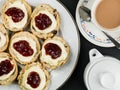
[42, 21]
[33, 79]
[53, 50]
[23, 48]
[16, 14]
[5, 67]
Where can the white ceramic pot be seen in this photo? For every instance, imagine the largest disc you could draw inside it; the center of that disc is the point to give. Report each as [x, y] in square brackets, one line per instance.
[102, 72]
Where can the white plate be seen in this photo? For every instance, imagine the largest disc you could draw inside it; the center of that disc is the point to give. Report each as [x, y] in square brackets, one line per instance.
[70, 34]
[91, 32]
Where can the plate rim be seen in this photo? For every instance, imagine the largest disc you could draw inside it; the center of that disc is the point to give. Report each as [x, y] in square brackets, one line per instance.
[79, 43]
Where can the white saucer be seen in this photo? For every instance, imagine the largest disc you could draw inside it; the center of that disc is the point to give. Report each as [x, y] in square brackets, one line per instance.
[91, 32]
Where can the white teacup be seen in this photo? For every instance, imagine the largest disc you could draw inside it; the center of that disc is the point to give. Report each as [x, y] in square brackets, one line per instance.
[92, 5]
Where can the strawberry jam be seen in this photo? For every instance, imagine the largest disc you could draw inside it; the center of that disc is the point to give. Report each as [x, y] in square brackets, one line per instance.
[53, 50]
[23, 48]
[16, 14]
[42, 21]
[5, 67]
[33, 79]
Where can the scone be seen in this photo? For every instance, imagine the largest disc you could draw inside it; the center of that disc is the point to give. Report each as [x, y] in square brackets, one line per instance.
[4, 38]
[16, 14]
[34, 77]
[45, 22]
[55, 52]
[24, 47]
[8, 69]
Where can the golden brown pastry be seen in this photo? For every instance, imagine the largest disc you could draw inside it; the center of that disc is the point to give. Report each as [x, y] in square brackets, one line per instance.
[8, 69]
[4, 38]
[45, 21]
[34, 77]
[16, 14]
[24, 47]
[55, 52]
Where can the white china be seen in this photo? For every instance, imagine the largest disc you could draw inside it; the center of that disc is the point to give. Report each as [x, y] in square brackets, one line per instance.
[102, 72]
[70, 33]
[91, 32]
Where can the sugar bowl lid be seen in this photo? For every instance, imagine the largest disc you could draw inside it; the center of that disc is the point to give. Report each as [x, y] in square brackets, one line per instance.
[102, 73]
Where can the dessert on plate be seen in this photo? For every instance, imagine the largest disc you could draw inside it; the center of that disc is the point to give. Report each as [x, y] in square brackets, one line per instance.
[45, 22]
[16, 14]
[55, 52]
[8, 69]
[34, 77]
[24, 47]
[4, 38]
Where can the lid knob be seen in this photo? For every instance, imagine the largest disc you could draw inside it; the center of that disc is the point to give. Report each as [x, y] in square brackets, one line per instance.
[107, 80]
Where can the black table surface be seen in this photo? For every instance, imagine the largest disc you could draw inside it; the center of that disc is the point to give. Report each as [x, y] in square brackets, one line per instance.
[75, 82]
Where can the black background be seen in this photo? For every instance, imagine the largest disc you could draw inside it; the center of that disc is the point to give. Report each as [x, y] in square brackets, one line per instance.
[75, 82]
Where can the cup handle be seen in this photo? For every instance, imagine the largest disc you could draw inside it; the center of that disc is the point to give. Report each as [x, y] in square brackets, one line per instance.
[94, 54]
